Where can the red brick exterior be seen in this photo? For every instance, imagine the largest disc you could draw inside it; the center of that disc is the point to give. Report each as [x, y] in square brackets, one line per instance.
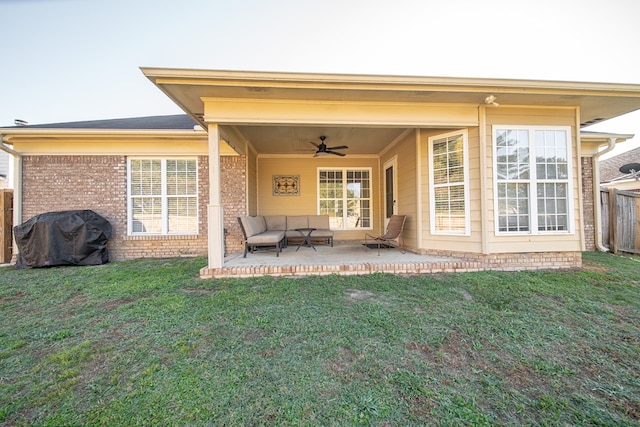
[588, 209]
[450, 262]
[234, 200]
[99, 183]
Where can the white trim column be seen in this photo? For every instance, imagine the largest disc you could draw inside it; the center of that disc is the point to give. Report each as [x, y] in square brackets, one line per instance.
[215, 224]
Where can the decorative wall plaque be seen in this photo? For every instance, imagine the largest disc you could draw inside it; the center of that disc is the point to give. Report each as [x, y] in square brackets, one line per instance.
[286, 185]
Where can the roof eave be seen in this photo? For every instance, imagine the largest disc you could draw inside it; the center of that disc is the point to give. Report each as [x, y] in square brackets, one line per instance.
[340, 80]
[188, 87]
[11, 134]
[605, 136]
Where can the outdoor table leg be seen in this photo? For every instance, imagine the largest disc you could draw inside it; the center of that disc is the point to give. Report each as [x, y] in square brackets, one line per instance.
[306, 235]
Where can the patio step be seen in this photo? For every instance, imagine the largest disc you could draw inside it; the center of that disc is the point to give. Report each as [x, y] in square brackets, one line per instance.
[346, 269]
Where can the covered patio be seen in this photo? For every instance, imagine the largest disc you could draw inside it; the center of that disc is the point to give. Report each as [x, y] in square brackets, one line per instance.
[441, 151]
[344, 258]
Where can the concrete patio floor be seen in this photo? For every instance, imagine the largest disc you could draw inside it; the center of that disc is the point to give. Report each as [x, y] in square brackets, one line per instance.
[342, 258]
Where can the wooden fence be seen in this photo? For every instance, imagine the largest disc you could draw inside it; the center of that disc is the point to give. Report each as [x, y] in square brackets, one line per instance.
[620, 220]
[6, 226]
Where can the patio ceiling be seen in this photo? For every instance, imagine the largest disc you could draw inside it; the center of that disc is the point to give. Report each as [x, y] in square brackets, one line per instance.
[295, 140]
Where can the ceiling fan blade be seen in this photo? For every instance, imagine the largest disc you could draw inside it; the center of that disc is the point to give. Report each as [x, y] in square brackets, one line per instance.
[336, 153]
[314, 144]
[341, 147]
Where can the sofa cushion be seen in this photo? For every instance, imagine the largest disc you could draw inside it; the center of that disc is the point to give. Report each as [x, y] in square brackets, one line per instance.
[321, 222]
[253, 225]
[266, 237]
[275, 222]
[297, 221]
[322, 233]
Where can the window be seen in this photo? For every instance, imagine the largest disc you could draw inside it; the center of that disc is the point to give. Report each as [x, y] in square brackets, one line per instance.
[163, 196]
[532, 168]
[449, 186]
[345, 195]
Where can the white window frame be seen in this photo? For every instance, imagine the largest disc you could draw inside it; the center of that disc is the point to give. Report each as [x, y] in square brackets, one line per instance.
[344, 171]
[465, 182]
[164, 198]
[533, 181]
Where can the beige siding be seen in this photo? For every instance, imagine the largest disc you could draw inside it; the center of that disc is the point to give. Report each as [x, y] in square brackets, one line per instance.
[472, 242]
[532, 117]
[141, 145]
[306, 203]
[407, 198]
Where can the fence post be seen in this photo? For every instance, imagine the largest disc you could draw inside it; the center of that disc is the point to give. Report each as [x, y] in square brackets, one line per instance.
[637, 224]
[6, 225]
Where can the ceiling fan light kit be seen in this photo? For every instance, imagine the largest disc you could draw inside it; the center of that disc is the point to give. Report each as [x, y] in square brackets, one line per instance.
[323, 150]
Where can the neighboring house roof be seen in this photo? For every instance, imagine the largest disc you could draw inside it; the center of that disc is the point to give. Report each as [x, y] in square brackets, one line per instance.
[172, 122]
[610, 168]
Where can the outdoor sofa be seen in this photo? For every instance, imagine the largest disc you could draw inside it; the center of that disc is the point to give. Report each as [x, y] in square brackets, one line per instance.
[278, 230]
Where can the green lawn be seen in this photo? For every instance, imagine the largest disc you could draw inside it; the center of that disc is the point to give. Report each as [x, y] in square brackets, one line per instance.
[148, 343]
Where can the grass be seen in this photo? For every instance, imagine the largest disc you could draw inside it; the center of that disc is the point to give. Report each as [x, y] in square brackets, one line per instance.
[148, 343]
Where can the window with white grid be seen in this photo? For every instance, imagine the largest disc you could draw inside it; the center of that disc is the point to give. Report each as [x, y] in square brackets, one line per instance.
[345, 195]
[532, 168]
[163, 196]
[552, 170]
[449, 194]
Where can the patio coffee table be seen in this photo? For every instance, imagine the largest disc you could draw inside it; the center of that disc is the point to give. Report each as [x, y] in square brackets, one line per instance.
[306, 235]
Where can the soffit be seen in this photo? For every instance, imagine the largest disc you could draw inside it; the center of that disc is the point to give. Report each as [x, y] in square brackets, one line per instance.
[296, 139]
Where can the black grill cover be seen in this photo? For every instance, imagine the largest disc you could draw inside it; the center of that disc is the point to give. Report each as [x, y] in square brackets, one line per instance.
[62, 238]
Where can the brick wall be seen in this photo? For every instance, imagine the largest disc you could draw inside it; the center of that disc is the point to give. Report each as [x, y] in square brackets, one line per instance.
[587, 204]
[99, 183]
[56, 183]
[234, 199]
[517, 261]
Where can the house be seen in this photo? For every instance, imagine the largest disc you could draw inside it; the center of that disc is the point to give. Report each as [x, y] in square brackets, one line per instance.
[492, 170]
[612, 177]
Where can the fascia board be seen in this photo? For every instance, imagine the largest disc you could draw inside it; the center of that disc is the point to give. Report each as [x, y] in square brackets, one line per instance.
[345, 81]
[11, 134]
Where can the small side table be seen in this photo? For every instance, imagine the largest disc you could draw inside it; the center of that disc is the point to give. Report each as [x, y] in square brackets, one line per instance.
[306, 234]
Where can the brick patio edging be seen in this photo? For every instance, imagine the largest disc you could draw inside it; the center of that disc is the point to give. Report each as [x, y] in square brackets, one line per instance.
[494, 262]
[344, 270]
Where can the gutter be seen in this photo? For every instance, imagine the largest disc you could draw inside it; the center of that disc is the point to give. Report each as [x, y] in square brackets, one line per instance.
[596, 195]
[17, 186]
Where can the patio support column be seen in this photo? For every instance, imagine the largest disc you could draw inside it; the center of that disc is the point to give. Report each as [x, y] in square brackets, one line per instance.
[215, 227]
[482, 138]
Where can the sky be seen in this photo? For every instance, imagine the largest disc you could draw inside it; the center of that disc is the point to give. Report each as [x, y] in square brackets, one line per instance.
[75, 60]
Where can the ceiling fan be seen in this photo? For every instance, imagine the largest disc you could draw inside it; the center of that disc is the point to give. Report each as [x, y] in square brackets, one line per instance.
[323, 149]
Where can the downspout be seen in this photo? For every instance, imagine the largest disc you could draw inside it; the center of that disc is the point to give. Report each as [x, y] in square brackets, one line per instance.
[596, 195]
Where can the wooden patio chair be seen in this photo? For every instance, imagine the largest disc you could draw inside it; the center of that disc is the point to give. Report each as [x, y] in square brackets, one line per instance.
[391, 238]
